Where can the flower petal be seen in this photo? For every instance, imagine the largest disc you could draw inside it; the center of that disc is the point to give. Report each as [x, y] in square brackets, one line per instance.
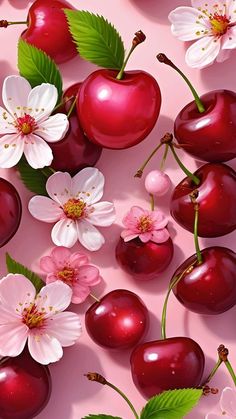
[186, 24]
[80, 293]
[65, 327]
[64, 233]
[89, 236]
[59, 187]
[145, 237]
[54, 128]
[13, 338]
[215, 416]
[223, 55]
[44, 349]
[203, 52]
[78, 259]
[128, 235]
[89, 275]
[42, 100]
[88, 185]
[160, 236]
[47, 264]
[228, 401]
[6, 122]
[54, 297]
[44, 209]
[37, 152]
[15, 92]
[103, 214]
[60, 256]
[16, 291]
[229, 39]
[231, 10]
[11, 150]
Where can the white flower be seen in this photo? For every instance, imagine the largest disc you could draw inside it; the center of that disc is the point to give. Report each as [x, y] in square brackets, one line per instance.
[212, 23]
[38, 319]
[227, 405]
[74, 206]
[26, 123]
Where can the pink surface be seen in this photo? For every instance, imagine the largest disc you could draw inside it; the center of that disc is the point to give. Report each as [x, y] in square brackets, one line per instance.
[73, 397]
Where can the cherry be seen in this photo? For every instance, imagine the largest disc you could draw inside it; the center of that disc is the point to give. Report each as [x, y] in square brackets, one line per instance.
[210, 287]
[144, 261]
[25, 387]
[167, 364]
[119, 320]
[157, 183]
[75, 151]
[10, 211]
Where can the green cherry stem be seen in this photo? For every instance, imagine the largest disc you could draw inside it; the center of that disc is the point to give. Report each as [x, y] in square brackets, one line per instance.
[63, 102]
[231, 371]
[163, 161]
[212, 373]
[193, 197]
[93, 376]
[194, 178]
[4, 23]
[152, 202]
[223, 353]
[72, 107]
[138, 39]
[162, 58]
[139, 172]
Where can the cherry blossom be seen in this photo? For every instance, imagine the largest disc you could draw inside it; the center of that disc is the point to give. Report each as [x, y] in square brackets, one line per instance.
[227, 405]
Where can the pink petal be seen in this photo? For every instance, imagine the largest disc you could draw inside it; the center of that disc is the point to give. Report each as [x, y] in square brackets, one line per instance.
[88, 185]
[64, 233]
[47, 264]
[44, 209]
[51, 278]
[89, 236]
[137, 212]
[159, 220]
[89, 275]
[11, 150]
[6, 122]
[160, 236]
[228, 401]
[54, 128]
[215, 416]
[15, 93]
[59, 187]
[128, 235]
[13, 338]
[65, 327]
[37, 152]
[16, 291]
[223, 55]
[80, 293]
[103, 214]
[60, 256]
[54, 297]
[203, 52]
[186, 25]
[42, 99]
[43, 348]
[229, 39]
[145, 237]
[78, 259]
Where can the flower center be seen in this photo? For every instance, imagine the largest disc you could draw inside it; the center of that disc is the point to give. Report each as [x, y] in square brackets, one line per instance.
[67, 275]
[145, 224]
[32, 317]
[25, 124]
[219, 24]
[74, 208]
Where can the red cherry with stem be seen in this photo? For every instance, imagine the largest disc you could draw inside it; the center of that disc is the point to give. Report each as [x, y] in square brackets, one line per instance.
[118, 321]
[25, 387]
[48, 29]
[74, 152]
[10, 211]
[206, 127]
[119, 109]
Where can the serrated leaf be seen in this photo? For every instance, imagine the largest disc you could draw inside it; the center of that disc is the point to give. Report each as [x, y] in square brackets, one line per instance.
[101, 416]
[172, 404]
[37, 67]
[17, 268]
[34, 179]
[96, 39]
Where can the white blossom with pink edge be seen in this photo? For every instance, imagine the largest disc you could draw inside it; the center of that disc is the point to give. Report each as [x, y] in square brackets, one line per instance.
[147, 225]
[227, 405]
[212, 23]
[38, 319]
[73, 205]
[25, 125]
[73, 269]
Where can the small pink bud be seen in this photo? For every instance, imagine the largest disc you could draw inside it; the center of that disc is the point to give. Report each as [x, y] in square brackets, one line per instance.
[157, 183]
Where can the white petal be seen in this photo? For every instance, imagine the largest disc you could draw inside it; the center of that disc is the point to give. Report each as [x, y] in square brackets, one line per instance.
[13, 339]
[54, 297]
[229, 39]
[88, 185]
[186, 24]
[37, 152]
[203, 52]
[59, 187]
[16, 291]
[54, 128]
[44, 209]
[215, 416]
[42, 100]
[15, 92]
[89, 236]
[231, 10]
[211, 6]
[6, 122]
[65, 327]
[11, 150]
[103, 214]
[228, 401]
[64, 233]
[44, 349]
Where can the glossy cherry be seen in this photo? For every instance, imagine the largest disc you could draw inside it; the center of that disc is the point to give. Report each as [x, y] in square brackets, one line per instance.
[144, 261]
[217, 201]
[10, 211]
[25, 387]
[119, 321]
[75, 151]
[166, 365]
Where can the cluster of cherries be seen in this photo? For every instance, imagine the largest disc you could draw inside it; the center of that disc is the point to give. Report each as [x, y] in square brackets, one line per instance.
[118, 110]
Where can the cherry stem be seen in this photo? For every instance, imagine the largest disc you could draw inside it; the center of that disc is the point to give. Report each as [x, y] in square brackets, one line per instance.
[63, 102]
[162, 58]
[152, 202]
[94, 297]
[194, 178]
[72, 107]
[223, 356]
[100, 379]
[173, 283]
[4, 23]
[164, 157]
[139, 172]
[193, 197]
[212, 373]
[138, 39]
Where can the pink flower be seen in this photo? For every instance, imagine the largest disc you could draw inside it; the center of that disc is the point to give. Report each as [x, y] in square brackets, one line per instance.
[73, 269]
[26, 124]
[38, 319]
[227, 405]
[147, 225]
[212, 24]
[74, 206]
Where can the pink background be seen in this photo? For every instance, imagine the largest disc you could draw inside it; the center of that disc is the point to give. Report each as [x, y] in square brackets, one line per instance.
[72, 396]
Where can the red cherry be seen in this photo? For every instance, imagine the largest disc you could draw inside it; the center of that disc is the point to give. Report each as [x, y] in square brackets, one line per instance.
[210, 288]
[144, 261]
[25, 387]
[48, 29]
[75, 151]
[118, 321]
[216, 199]
[10, 211]
[115, 113]
[166, 365]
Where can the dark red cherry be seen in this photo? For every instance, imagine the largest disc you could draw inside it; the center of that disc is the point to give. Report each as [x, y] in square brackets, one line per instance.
[166, 365]
[119, 321]
[25, 387]
[216, 198]
[144, 261]
[10, 211]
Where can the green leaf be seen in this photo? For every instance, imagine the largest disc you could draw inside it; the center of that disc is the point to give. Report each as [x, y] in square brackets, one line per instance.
[37, 67]
[172, 404]
[17, 268]
[34, 179]
[101, 416]
[96, 39]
